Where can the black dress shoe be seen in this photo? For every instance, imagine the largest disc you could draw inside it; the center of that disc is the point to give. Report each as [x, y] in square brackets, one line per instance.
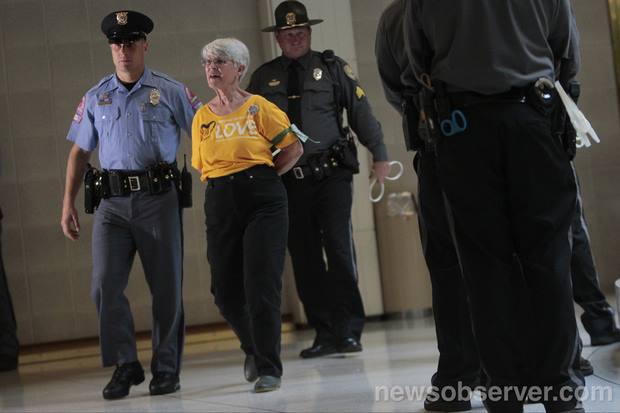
[586, 367]
[318, 350]
[349, 345]
[8, 363]
[125, 376]
[249, 368]
[164, 383]
[603, 340]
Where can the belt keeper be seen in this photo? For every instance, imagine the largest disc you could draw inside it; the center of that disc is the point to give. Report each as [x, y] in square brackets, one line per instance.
[115, 183]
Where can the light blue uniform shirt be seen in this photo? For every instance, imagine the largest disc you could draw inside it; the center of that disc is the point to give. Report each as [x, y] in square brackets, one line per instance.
[134, 129]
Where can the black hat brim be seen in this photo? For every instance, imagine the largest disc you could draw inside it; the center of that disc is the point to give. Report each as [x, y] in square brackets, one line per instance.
[274, 28]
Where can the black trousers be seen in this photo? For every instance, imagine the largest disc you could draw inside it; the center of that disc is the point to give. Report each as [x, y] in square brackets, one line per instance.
[458, 354]
[512, 196]
[598, 316]
[247, 225]
[320, 223]
[9, 345]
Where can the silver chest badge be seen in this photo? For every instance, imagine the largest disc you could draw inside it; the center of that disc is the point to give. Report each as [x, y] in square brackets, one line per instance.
[154, 97]
[317, 73]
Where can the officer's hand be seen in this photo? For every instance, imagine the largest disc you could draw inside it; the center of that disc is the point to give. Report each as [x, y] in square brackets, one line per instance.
[70, 223]
[381, 169]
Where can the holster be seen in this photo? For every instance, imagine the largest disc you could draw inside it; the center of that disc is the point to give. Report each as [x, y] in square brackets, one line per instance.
[92, 189]
[411, 121]
[345, 151]
[561, 126]
[342, 154]
[544, 99]
[428, 119]
[184, 186]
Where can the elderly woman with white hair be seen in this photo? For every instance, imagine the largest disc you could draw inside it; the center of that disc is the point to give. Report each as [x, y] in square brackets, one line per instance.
[246, 206]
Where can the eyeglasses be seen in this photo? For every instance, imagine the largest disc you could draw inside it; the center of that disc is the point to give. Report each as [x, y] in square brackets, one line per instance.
[219, 62]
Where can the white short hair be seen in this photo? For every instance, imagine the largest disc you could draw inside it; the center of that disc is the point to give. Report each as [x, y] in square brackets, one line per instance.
[228, 48]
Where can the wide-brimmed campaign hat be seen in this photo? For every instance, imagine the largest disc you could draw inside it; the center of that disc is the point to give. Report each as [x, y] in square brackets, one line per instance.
[291, 14]
[126, 25]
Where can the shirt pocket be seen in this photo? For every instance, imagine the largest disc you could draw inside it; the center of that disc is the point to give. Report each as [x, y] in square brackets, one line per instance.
[106, 118]
[318, 96]
[156, 121]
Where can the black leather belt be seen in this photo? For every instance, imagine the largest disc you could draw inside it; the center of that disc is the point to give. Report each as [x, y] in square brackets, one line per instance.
[464, 99]
[121, 183]
[300, 172]
[261, 170]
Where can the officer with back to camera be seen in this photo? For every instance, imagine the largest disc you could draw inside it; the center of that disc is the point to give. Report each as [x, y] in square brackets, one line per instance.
[488, 69]
[458, 362]
[313, 88]
[134, 116]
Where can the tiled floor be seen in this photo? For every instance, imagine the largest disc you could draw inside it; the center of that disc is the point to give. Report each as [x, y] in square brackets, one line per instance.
[397, 353]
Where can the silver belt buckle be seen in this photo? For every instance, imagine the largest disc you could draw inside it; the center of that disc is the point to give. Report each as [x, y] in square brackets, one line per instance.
[298, 172]
[134, 183]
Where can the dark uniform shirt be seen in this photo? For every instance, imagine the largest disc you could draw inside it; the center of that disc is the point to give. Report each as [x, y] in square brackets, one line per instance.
[518, 41]
[318, 106]
[392, 62]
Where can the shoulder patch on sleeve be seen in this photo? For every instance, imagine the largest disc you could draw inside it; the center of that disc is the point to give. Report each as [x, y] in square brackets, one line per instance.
[193, 99]
[79, 112]
[348, 70]
[359, 92]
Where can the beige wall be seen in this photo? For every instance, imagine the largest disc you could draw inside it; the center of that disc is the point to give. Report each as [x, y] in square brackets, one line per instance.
[404, 275]
[51, 52]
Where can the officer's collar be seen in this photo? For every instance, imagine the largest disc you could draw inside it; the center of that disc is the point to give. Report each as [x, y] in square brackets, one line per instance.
[304, 61]
[146, 79]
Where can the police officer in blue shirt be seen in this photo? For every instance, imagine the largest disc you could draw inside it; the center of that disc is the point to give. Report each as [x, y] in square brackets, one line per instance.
[134, 116]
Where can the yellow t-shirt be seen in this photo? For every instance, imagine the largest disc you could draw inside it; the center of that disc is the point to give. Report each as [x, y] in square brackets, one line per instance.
[223, 145]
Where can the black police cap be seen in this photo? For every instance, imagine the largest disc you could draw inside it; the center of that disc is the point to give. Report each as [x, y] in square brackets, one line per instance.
[126, 25]
[291, 14]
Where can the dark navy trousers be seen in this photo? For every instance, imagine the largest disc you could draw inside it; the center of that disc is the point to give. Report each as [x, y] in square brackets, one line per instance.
[512, 194]
[458, 355]
[323, 254]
